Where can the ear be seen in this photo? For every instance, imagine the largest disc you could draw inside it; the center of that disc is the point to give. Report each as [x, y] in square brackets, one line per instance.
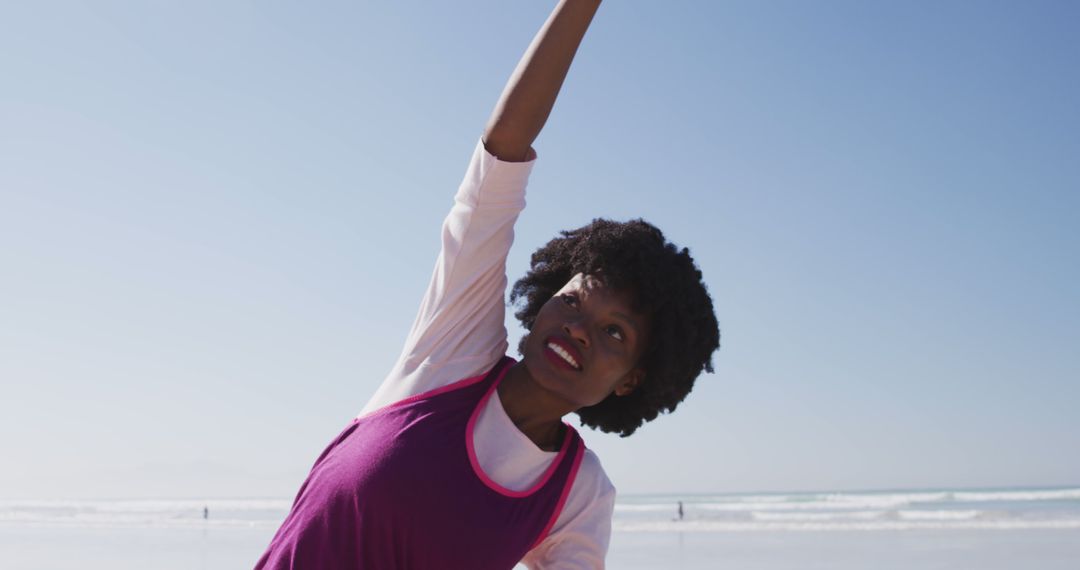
[630, 382]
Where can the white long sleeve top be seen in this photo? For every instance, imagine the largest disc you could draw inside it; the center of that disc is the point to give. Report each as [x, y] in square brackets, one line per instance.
[459, 332]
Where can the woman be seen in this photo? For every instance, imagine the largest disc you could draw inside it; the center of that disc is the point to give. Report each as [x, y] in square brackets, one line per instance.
[461, 459]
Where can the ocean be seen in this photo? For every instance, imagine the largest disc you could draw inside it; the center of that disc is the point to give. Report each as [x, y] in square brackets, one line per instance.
[929, 528]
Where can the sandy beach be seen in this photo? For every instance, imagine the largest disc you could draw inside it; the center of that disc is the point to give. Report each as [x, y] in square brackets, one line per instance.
[229, 549]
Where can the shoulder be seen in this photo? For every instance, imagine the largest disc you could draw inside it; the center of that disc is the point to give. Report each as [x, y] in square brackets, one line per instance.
[591, 497]
[591, 478]
[582, 533]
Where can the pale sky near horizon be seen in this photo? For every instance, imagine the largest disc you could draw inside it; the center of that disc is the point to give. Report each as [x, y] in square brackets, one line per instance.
[217, 219]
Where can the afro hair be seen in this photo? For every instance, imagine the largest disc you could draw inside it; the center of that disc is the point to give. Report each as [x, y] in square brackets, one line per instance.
[665, 284]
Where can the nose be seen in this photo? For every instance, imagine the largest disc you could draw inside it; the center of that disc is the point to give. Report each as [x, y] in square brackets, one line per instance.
[577, 331]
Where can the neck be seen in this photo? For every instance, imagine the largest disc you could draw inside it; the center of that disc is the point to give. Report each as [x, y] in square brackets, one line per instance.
[533, 410]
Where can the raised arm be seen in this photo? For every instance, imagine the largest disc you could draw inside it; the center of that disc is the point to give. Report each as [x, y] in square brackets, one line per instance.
[530, 94]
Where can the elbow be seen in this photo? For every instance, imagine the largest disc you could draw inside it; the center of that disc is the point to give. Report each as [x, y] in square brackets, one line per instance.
[508, 144]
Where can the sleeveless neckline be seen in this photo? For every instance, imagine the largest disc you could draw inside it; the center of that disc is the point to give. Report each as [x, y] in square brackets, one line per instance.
[568, 437]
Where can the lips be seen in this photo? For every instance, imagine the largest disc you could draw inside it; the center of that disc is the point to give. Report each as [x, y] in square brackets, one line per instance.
[563, 352]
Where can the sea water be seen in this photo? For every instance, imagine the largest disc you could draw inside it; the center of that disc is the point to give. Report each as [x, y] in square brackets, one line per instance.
[991, 509]
[988, 529]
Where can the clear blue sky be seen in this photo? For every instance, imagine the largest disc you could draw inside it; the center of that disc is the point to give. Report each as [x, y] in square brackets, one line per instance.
[217, 219]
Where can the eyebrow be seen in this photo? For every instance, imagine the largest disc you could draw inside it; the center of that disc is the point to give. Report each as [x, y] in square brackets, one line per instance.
[627, 319]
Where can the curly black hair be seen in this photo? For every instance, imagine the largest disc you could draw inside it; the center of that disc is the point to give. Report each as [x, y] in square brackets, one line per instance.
[664, 284]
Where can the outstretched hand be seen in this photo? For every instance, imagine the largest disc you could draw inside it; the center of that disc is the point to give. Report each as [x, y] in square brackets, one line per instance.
[530, 94]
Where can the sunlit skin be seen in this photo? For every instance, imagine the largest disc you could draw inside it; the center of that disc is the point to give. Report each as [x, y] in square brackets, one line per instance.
[534, 393]
[601, 332]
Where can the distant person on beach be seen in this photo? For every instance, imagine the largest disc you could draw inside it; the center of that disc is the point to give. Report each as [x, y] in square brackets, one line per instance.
[205, 513]
[461, 459]
[680, 511]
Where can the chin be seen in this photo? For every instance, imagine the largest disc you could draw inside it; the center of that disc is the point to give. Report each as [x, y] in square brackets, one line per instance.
[535, 364]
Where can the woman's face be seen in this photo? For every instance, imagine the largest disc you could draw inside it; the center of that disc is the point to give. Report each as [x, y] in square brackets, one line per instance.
[586, 342]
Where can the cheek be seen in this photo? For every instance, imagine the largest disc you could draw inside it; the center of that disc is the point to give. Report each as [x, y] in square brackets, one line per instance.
[598, 393]
[616, 356]
[547, 311]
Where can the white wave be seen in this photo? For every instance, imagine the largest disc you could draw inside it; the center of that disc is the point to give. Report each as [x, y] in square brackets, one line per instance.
[786, 498]
[113, 523]
[127, 520]
[937, 515]
[835, 526]
[846, 503]
[836, 501]
[651, 508]
[1031, 495]
[795, 517]
[791, 511]
[149, 505]
[886, 500]
[144, 513]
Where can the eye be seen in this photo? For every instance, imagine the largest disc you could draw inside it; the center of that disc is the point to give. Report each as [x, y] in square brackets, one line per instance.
[615, 332]
[569, 299]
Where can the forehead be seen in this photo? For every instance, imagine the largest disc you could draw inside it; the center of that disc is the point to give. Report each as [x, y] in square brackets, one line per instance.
[591, 286]
[616, 303]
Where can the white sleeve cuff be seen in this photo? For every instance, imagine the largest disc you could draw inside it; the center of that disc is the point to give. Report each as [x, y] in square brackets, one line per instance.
[492, 180]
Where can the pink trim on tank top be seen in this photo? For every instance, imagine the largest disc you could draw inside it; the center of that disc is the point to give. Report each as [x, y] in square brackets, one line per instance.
[562, 497]
[430, 393]
[543, 478]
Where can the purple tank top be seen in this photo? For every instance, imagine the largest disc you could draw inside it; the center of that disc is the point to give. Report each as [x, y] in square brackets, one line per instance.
[401, 488]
